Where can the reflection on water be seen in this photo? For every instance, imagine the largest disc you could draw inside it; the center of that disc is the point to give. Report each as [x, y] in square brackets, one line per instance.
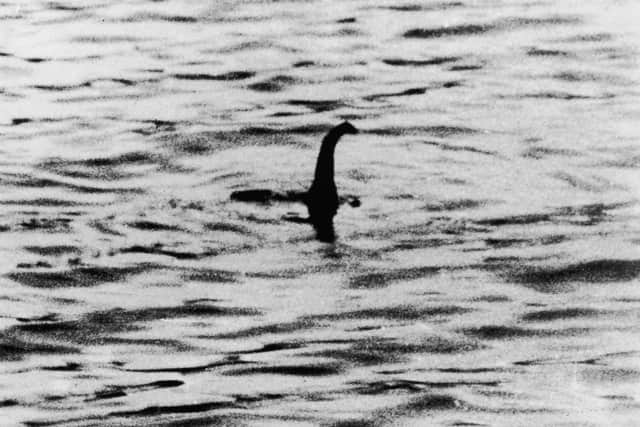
[489, 276]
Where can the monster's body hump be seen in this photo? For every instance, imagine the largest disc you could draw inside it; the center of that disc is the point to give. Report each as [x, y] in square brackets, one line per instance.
[322, 201]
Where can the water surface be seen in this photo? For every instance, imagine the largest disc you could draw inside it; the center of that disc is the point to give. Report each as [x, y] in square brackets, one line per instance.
[490, 276]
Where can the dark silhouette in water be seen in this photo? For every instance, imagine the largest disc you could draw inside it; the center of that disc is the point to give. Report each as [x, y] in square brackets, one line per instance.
[322, 197]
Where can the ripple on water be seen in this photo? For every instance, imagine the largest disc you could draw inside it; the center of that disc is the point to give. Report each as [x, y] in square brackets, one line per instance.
[105, 328]
[20, 121]
[268, 329]
[504, 24]
[442, 131]
[46, 225]
[29, 181]
[303, 64]
[398, 313]
[14, 348]
[86, 276]
[153, 226]
[562, 314]
[500, 243]
[418, 405]
[161, 249]
[307, 370]
[383, 278]
[565, 96]
[107, 39]
[588, 215]
[454, 30]
[318, 106]
[455, 204]
[541, 152]
[274, 84]
[555, 279]
[414, 7]
[590, 38]
[101, 168]
[469, 67]
[437, 60]
[86, 84]
[450, 147]
[210, 275]
[535, 51]
[207, 142]
[228, 76]
[378, 350]
[148, 16]
[176, 409]
[114, 391]
[504, 332]
[407, 92]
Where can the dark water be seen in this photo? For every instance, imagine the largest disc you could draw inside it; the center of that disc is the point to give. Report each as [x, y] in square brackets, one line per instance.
[490, 276]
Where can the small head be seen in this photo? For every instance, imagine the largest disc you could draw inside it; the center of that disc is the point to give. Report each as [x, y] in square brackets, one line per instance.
[346, 127]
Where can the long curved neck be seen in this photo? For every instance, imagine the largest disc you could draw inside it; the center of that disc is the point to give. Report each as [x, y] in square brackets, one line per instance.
[325, 165]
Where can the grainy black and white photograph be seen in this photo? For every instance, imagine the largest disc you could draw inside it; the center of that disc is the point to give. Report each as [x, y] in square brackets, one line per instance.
[335, 213]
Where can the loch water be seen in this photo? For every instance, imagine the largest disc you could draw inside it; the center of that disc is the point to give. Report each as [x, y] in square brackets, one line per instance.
[490, 276]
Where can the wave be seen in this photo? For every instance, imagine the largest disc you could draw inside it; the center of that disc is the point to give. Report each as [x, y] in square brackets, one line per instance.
[504, 24]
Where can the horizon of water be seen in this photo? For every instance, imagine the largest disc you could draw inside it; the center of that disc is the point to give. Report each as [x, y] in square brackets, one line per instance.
[489, 277]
